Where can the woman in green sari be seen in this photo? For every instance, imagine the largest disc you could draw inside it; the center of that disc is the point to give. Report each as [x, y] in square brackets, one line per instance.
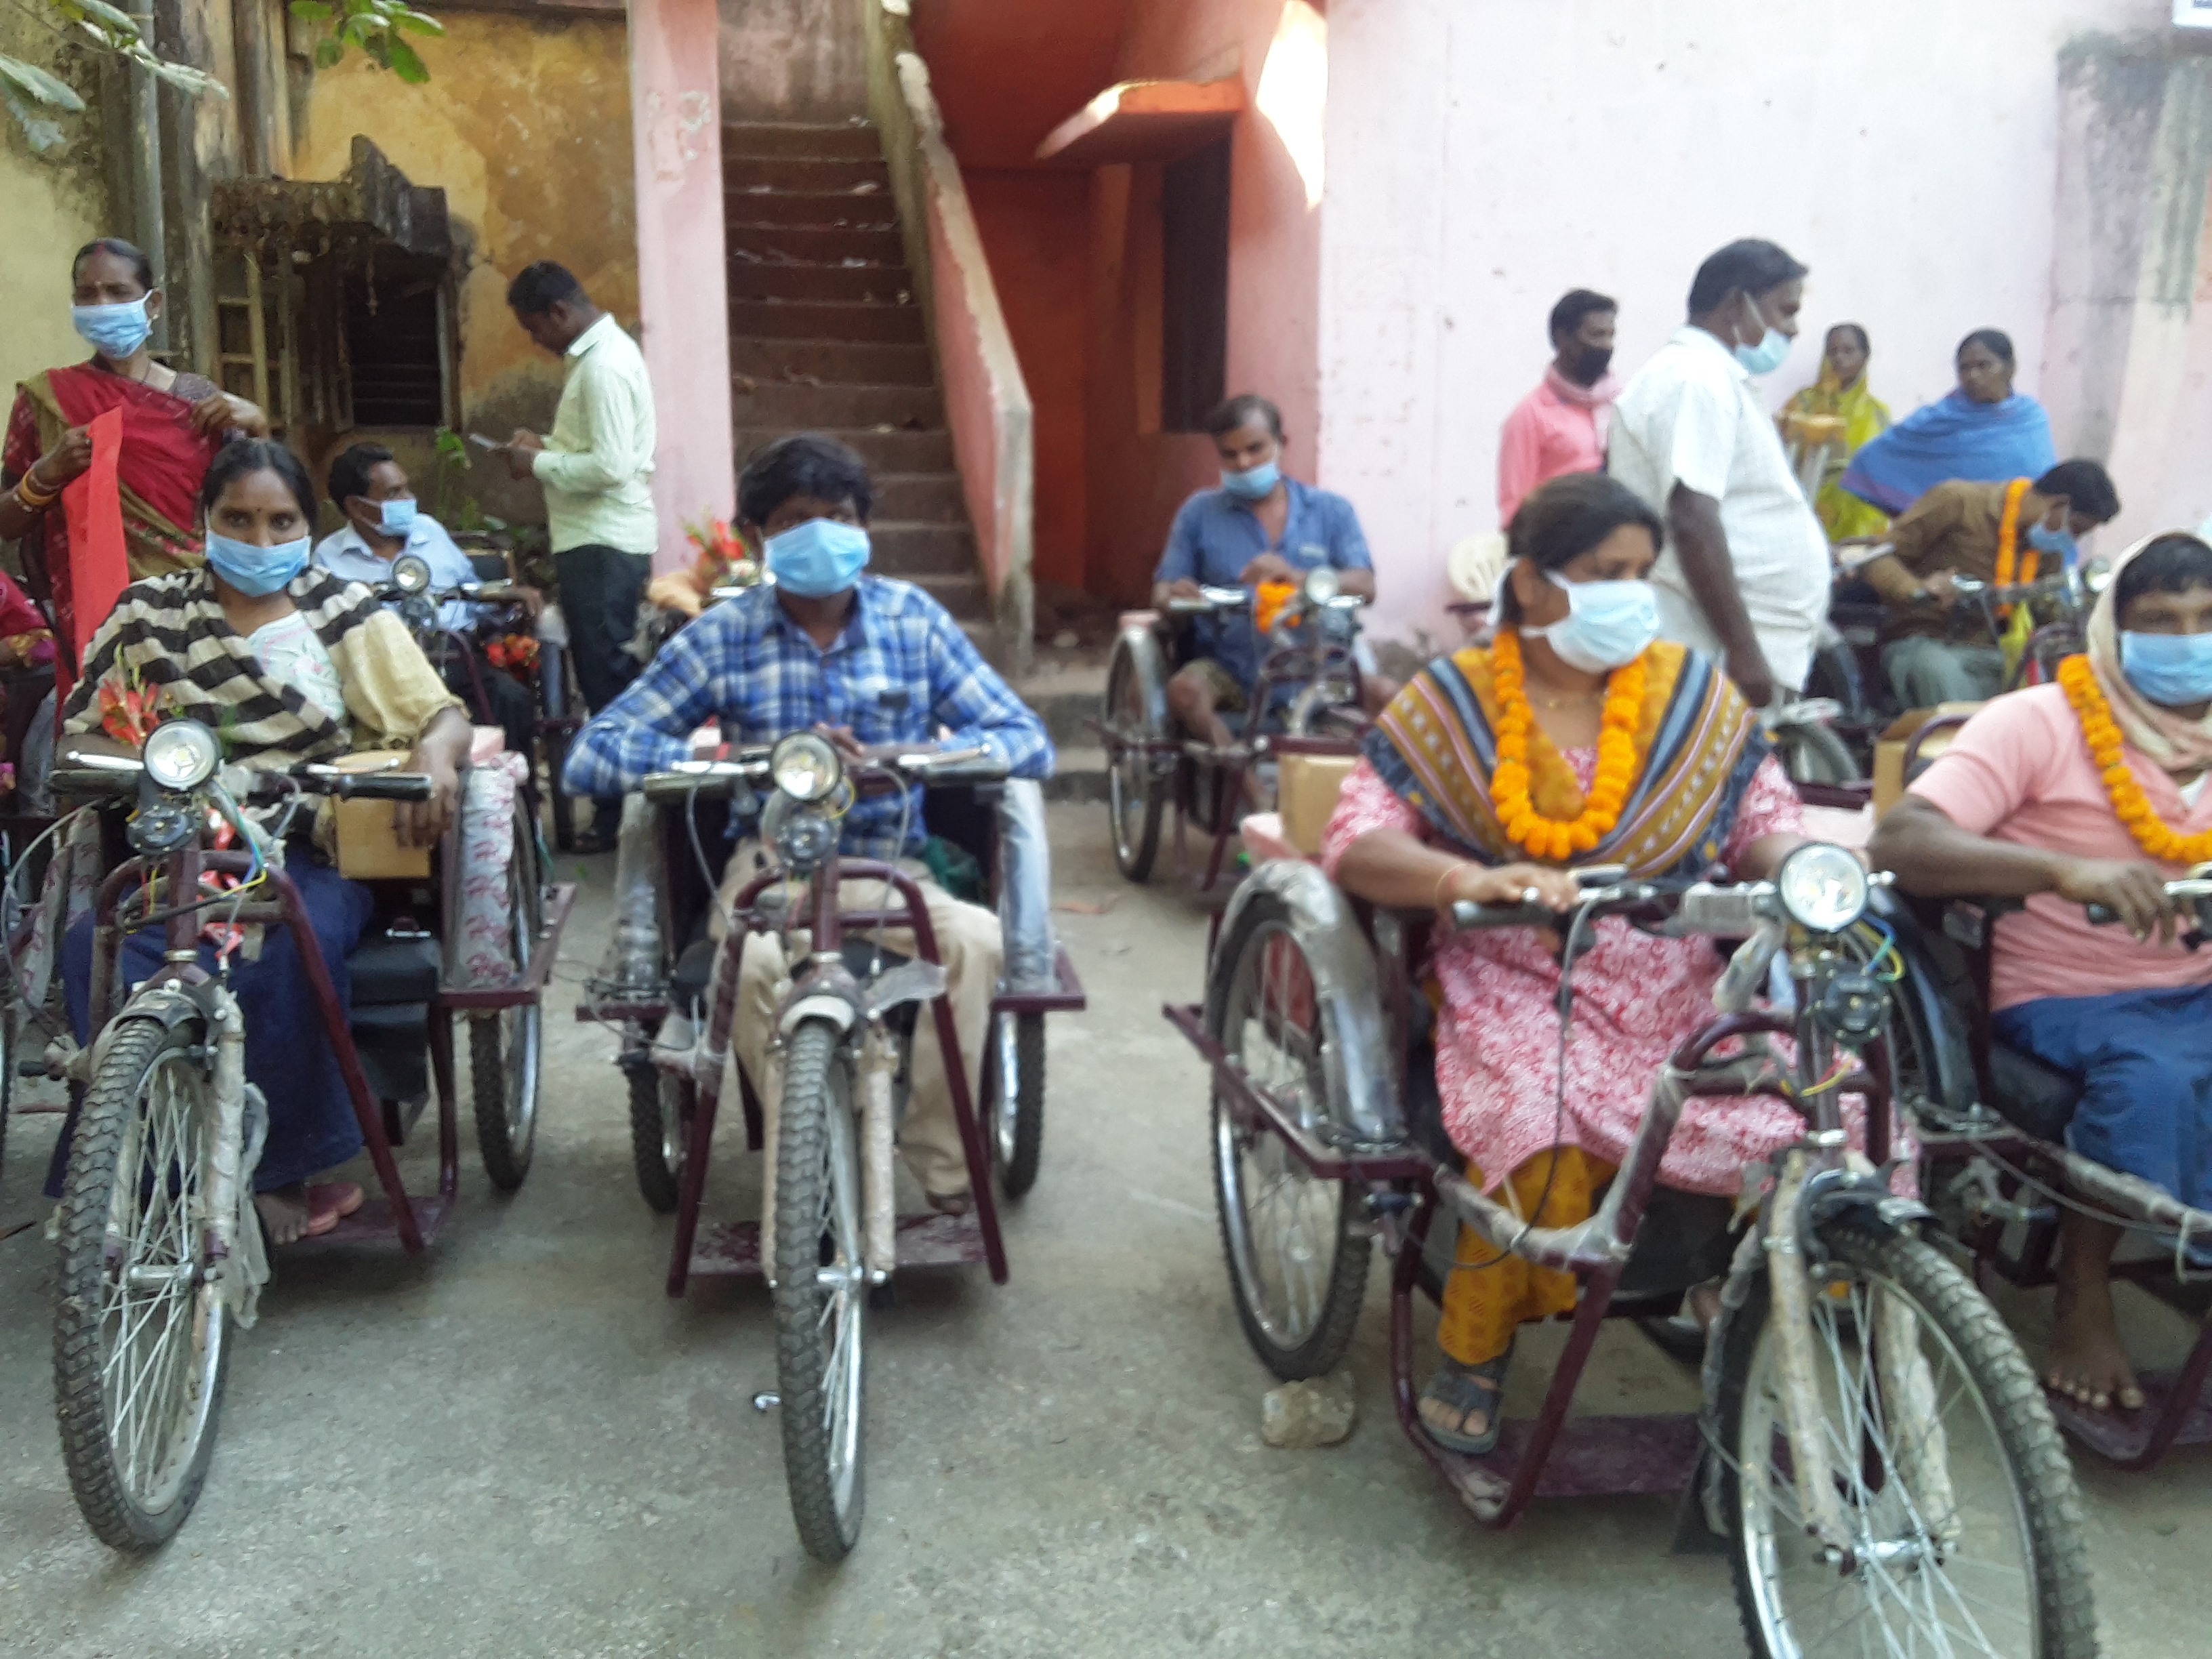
[1841, 393]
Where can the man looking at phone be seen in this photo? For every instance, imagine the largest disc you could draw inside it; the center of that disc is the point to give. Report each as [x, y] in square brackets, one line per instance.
[593, 466]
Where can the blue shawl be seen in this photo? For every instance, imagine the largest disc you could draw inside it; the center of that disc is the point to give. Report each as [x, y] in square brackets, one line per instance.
[1953, 437]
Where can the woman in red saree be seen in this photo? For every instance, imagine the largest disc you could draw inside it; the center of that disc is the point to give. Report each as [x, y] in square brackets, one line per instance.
[172, 424]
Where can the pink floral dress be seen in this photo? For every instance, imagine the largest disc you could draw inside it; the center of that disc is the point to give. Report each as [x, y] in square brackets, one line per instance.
[1637, 997]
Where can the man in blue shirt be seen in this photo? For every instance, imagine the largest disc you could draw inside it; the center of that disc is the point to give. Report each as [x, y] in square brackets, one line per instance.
[1260, 526]
[372, 489]
[865, 661]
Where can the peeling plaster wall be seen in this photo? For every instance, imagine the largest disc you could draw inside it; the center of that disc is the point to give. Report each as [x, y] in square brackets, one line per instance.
[795, 60]
[55, 202]
[526, 125]
[1485, 155]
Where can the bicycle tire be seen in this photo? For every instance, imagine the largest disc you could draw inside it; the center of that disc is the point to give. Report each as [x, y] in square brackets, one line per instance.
[2048, 1503]
[1017, 1155]
[659, 1178]
[506, 1047]
[117, 1518]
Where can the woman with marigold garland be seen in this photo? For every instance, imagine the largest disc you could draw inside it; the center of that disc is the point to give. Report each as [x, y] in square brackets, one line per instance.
[2091, 791]
[1572, 739]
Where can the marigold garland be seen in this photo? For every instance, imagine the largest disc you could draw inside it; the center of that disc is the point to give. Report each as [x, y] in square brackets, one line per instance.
[2101, 732]
[2008, 559]
[1548, 838]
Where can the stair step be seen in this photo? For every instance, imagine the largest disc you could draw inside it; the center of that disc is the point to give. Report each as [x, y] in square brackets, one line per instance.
[779, 403]
[883, 452]
[1065, 700]
[920, 497]
[787, 319]
[900, 548]
[844, 139]
[781, 244]
[847, 209]
[833, 363]
[820, 284]
[963, 596]
[1078, 774]
[805, 173]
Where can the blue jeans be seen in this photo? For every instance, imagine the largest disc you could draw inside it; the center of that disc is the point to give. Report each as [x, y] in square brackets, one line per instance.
[2146, 1059]
[1025, 887]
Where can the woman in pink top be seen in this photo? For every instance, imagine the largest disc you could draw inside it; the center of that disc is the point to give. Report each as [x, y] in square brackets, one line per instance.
[2017, 807]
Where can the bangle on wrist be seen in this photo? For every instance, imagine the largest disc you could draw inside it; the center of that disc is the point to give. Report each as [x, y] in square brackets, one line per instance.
[1436, 894]
[32, 496]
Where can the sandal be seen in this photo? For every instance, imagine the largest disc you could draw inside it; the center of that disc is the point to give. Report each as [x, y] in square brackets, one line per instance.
[329, 1204]
[1465, 1389]
[952, 1203]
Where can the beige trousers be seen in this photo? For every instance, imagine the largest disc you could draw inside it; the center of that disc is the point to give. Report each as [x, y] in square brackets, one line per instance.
[968, 944]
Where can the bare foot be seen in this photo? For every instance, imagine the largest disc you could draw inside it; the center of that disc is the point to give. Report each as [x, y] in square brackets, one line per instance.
[283, 1212]
[1702, 1303]
[955, 1204]
[2089, 1362]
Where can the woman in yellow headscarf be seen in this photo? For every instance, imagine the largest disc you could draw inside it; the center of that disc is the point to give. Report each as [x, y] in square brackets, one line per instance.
[1841, 393]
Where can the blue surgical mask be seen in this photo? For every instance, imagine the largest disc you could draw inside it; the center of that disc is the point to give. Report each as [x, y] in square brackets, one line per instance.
[2172, 670]
[818, 558]
[2044, 539]
[396, 517]
[253, 569]
[1607, 624]
[1253, 483]
[1768, 354]
[115, 331]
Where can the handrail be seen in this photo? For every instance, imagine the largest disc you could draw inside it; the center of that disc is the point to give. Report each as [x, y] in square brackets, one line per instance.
[986, 402]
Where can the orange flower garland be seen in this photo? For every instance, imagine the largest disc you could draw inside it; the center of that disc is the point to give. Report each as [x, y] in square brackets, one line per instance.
[2101, 732]
[2008, 559]
[1548, 838]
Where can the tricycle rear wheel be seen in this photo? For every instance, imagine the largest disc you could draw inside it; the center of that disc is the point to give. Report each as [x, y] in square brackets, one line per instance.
[506, 1047]
[1297, 1256]
[1134, 797]
[660, 1106]
[1018, 1125]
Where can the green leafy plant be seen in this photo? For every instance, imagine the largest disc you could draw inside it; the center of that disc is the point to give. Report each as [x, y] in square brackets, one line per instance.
[374, 27]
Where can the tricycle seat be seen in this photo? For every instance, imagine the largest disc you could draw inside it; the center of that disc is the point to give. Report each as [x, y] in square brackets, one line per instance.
[2035, 1097]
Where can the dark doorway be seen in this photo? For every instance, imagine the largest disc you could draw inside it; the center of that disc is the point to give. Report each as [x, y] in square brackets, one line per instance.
[1194, 287]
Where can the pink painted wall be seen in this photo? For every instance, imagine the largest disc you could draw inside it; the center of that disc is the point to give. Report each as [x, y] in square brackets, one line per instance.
[1485, 155]
[677, 127]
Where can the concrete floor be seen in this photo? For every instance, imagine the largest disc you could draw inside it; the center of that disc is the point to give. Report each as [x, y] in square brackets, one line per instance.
[519, 1446]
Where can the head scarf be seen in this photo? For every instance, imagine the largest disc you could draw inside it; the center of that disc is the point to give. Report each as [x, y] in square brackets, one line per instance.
[2178, 743]
[1953, 437]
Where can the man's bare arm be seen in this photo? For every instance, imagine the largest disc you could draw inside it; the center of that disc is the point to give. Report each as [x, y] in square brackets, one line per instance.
[1695, 522]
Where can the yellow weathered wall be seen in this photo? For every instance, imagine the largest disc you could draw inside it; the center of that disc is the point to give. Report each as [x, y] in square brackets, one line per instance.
[526, 125]
[54, 206]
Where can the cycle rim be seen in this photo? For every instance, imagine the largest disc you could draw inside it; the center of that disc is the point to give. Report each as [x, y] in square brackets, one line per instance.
[1903, 1598]
[1008, 1112]
[1283, 1225]
[522, 1027]
[1128, 778]
[843, 1312]
[162, 1322]
[674, 1137]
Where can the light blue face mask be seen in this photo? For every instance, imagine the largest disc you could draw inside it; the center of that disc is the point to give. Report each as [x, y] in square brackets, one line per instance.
[818, 558]
[253, 569]
[115, 331]
[1253, 483]
[1606, 623]
[1771, 350]
[2172, 670]
[396, 517]
[2059, 543]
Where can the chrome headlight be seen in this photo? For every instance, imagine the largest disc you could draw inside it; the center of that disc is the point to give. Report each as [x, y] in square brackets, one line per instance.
[805, 768]
[410, 573]
[181, 755]
[1822, 887]
[1322, 584]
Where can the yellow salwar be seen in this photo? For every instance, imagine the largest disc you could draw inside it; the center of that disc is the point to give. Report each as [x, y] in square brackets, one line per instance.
[1865, 418]
[1484, 1306]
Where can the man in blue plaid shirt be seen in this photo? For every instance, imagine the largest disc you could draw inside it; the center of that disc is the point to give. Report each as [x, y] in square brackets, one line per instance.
[867, 661]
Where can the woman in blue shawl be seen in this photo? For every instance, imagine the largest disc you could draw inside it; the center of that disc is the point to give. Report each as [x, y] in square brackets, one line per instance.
[1984, 432]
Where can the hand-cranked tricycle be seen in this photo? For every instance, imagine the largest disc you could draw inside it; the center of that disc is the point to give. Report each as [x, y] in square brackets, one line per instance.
[161, 1247]
[834, 1071]
[1310, 647]
[1872, 1445]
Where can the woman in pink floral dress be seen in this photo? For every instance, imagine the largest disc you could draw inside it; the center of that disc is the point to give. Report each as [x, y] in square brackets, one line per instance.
[1574, 733]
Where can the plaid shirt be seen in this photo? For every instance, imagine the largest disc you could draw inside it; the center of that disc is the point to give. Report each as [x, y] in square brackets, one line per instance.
[900, 671]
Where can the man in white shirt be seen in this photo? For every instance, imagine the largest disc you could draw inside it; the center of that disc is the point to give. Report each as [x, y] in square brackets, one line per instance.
[1745, 575]
[593, 466]
[372, 490]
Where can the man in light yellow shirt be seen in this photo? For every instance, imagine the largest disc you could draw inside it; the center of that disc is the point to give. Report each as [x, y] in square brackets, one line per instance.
[594, 466]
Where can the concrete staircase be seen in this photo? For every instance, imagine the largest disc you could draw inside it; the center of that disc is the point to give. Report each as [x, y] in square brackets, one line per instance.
[826, 335]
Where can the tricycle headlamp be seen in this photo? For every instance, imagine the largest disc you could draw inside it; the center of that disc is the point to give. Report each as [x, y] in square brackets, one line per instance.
[180, 755]
[1822, 887]
[805, 768]
[1322, 584]
[410, 573]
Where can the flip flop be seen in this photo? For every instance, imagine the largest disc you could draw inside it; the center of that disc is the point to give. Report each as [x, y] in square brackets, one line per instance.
[331, 1203]
[1461, 1389]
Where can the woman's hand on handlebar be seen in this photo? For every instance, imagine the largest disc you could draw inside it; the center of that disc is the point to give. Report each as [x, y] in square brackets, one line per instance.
[2133, 889]
[1509, 884]
[438, 756]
